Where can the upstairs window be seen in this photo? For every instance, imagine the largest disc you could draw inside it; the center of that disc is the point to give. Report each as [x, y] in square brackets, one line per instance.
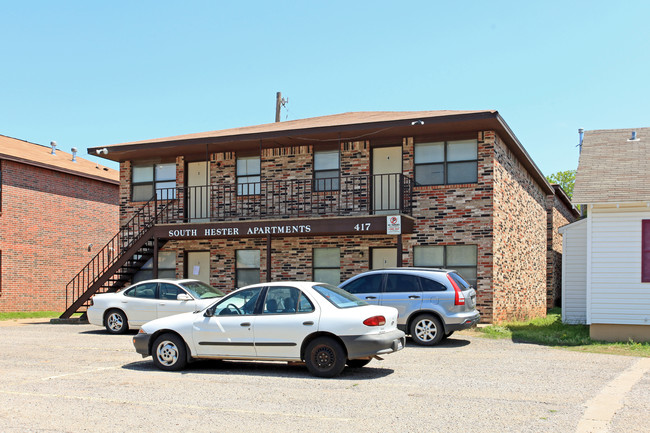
[326, 170]
[446, 162]
[249, 171]
[154, 177]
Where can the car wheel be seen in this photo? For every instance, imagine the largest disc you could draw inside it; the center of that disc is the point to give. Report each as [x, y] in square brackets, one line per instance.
[448, 334]
[426, 330]
[169, 352]
[325, 357]
[357, 363]
[116, 322]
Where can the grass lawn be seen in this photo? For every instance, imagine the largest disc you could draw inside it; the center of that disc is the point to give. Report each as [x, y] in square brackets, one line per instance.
[550, 331]
[32, 315]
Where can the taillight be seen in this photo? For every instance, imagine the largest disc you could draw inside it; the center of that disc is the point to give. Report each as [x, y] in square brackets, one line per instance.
[459, 299]
[375, 321]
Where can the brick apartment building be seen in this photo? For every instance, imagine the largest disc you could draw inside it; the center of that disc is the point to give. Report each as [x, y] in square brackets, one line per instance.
[56, 212]
[328, 197]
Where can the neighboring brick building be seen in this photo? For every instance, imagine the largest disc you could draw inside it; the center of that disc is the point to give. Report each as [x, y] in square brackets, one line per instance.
[560, 213]
[55, 214]
[313, 199]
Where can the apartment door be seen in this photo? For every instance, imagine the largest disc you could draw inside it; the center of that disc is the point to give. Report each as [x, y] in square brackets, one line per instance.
[198, 191]
[386, 170]
[383, 258]
[197, 265]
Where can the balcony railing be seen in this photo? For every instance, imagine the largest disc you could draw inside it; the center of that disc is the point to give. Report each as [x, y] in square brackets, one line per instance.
[344, 196]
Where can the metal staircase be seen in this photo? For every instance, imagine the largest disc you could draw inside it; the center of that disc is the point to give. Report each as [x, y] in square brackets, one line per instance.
[115, 265]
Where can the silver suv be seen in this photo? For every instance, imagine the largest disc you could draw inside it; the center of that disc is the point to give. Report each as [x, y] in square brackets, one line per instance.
[432, 303]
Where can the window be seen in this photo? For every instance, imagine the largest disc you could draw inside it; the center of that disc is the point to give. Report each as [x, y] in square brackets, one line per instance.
[326, 170]
[166, 267]
[462, 258]
[240, 303]
[247, 267]
[396, 283]
[283, 300]
[327, 265]
[170, 291]
[368, 284]
[147, 178]
[446, 162]
[145, 290]
[249, 172]
[429, 285]
[645, 251]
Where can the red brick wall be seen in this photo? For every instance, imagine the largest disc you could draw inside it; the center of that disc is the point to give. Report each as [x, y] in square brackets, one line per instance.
[519, 264]
[47, 222]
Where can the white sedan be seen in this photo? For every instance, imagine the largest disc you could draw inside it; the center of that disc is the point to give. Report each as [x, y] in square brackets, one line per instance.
[148, 300]
[322, 325]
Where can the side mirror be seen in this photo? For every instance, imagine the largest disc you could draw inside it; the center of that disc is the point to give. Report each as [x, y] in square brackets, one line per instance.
[183, 297]
[209, 312]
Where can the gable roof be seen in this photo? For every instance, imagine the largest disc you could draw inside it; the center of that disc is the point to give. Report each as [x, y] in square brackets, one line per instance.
[353, 126]
[38, 155]
[612, 168]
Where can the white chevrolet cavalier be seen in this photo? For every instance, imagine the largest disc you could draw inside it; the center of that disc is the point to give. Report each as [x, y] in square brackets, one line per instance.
[322, 325]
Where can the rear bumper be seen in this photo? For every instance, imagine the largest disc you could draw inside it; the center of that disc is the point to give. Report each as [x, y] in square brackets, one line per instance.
[95, 316]
[363, 346]
[468, 322]
[141, 344]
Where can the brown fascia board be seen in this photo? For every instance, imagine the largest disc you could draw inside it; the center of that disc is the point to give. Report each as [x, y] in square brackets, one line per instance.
[477, 121]
[561, 193]
[59, 169]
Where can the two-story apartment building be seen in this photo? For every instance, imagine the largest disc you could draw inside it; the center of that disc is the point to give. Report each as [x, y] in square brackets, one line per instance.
[328, 197]
[56, 212]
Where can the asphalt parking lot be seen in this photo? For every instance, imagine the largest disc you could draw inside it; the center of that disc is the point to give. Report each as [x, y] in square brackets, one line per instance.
[74, 378]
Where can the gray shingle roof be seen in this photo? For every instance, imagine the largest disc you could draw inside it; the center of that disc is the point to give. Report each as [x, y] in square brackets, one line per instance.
[612, 168]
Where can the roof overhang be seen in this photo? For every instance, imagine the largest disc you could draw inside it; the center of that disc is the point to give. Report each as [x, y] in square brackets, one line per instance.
[199, 145]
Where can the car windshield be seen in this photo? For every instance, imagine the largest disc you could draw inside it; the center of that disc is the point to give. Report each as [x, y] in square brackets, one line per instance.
[200, 290]
[339, 297]
[460, 281]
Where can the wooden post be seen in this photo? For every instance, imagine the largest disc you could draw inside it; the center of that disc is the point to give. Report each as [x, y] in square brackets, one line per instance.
[268, 258]
[278, 105]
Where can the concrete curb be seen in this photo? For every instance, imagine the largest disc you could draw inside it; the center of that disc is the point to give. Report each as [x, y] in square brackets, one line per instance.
[69, 321]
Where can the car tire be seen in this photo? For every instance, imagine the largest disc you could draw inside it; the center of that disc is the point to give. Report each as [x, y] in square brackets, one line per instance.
[169, 352]
[357, 363]
[116, 322]
[427, 330]
[325, 357]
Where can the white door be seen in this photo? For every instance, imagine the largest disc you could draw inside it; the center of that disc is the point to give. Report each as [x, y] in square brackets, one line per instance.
[229, 331]
[287, 318]
[198, 266]
[386, 170]
[140, 303]
[384, 258]
[198, 191]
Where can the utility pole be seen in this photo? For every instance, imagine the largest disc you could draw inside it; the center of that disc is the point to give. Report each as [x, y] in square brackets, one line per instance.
[279, 103]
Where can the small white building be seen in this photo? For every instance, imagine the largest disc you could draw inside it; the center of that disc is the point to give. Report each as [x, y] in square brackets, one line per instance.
[606, 260]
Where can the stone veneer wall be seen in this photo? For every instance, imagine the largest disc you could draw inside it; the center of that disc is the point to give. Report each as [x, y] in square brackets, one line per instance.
[519, 267]
[558, 215]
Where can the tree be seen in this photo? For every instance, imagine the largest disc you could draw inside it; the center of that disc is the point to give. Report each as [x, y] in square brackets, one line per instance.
[566, 179]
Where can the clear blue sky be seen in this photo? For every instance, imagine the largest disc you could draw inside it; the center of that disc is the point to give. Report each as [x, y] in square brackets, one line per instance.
[92, 73]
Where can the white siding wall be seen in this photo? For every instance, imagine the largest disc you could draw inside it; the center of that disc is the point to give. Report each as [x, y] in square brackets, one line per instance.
[574, 273]
[617, 294]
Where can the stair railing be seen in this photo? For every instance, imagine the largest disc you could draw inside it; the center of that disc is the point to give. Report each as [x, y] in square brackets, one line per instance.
[128, 234]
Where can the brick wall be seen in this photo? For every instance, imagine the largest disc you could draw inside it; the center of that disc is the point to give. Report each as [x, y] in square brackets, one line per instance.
[519, 263]
[558, 215]
[47, 223]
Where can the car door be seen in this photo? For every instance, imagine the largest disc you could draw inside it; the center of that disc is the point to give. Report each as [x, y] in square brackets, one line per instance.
[367, 288]
[228, 328]
[139, 303]
[287, 318]
[403, 292]
[168, 303]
